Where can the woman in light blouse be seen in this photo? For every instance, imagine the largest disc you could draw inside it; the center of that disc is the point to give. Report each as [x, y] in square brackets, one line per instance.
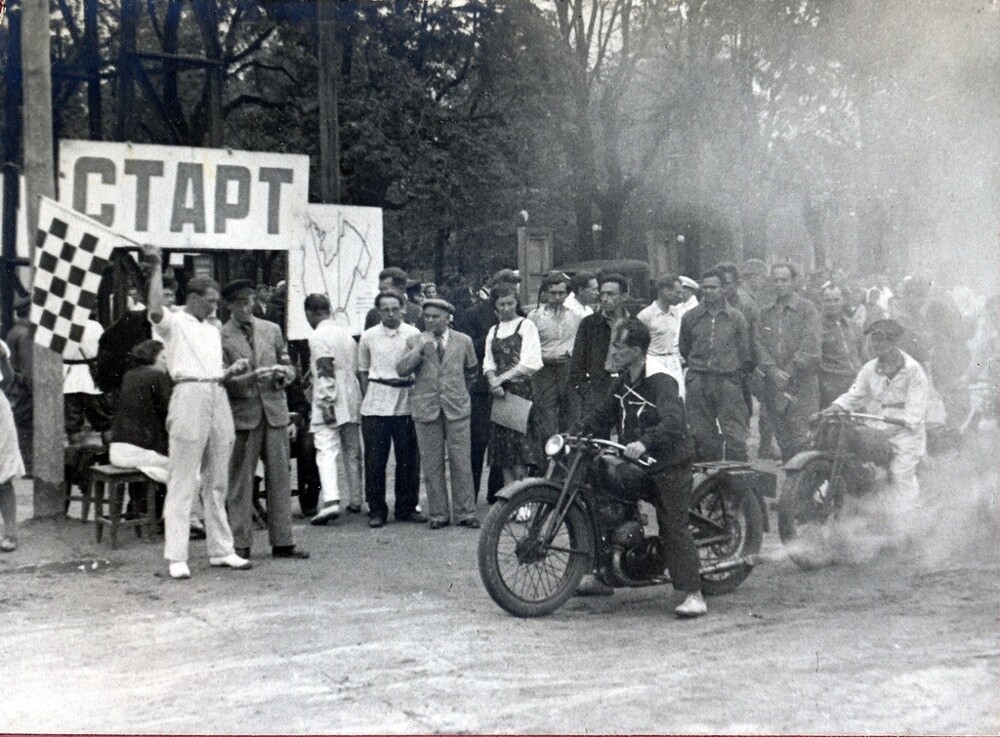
[513, 354]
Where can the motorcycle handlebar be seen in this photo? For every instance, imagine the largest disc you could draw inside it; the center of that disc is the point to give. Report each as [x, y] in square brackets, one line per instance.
[645, 460]
[861, 416]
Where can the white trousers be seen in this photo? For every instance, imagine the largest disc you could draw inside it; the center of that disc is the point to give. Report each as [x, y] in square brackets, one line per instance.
[200, 424]
[338, 459]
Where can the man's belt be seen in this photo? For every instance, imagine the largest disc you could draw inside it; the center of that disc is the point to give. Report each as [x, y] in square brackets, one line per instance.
[77, 361]
[398, 383]
[191, 380]
[555, 360]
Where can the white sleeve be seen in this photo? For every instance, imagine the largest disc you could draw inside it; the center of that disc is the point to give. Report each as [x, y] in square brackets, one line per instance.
[162, 329]
[856, 398]
[488, 363]
[531, 349]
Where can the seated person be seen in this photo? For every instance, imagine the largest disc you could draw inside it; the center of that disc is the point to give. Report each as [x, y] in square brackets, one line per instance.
[646, 404]
[138, 431]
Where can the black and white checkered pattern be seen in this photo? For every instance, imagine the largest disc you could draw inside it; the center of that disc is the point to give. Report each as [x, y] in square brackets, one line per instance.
[70, 255]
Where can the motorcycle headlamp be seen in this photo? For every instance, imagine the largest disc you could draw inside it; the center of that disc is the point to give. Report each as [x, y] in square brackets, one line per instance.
[554, 445]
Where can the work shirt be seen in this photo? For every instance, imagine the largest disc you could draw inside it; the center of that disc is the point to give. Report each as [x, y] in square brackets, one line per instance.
[378, 351]
[841, 350]
[556, 331]
[193, 348]
[664, 329]
[717, 344]
[900, 396]
[649, 410]
[788, 337]
[576, 307]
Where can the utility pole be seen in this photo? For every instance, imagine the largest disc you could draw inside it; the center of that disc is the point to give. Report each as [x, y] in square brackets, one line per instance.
[329, 126]
[39, 175]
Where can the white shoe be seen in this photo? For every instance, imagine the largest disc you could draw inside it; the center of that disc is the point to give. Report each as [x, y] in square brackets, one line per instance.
[231, 561]
[179, 569]
[693, 606]
[328, 513]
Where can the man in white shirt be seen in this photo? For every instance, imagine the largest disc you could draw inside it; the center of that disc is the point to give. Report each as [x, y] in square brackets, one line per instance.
[555, 401]
[199, 421]
[385, 413]
[81, 398]
[336, 409]
[895, 386]
[664, 323]
[583, 294]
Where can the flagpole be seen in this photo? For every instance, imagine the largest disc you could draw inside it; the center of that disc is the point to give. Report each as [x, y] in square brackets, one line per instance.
[39, 174]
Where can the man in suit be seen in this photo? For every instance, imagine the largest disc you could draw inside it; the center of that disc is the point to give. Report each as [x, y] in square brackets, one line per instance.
[443, 364]
[260, 416]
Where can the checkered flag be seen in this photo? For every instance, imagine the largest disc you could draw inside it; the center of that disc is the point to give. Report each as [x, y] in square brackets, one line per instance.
[70, 255]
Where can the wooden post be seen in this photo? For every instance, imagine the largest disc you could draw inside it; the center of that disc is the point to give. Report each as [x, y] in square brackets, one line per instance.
[329, 126]
[93, 63]
[534, 260]
[39, 174]
[126, 58]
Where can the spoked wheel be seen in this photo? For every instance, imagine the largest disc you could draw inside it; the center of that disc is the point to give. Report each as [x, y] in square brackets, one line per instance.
[807, 505]
[522, 574]
[726, 525]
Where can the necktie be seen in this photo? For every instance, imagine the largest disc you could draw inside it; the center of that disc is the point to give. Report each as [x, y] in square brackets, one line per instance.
[440, 347]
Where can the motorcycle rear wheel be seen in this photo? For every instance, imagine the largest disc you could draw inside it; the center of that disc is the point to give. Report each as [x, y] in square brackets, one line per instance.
[805, 507]
[519, 576]
[740, 516]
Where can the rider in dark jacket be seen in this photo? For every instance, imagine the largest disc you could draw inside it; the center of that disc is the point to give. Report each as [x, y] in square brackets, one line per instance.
[650, 415]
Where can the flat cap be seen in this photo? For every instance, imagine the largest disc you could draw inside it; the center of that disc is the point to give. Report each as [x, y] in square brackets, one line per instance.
[441, 304]
[506, 275]
[889, 329]
[687, 281]
[233, 288]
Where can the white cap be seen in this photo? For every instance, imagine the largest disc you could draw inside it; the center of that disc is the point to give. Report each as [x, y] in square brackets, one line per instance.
[687, 281]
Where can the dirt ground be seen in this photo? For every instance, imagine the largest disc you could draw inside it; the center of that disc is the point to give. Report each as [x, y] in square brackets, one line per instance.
[392, 631]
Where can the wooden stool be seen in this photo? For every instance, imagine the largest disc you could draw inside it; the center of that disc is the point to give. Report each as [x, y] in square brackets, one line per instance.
[114, 480]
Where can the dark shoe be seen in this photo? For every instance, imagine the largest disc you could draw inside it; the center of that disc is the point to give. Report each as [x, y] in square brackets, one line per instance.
[593, 586]
[354, 508]
[472, 523]
[437, 524]
[243, 552]
[288, 551]
[198, 533]
[376, 522]
[417, 517]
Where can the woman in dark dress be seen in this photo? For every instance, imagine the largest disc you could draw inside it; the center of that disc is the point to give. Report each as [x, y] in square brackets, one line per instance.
[139, 429]
[513, 354]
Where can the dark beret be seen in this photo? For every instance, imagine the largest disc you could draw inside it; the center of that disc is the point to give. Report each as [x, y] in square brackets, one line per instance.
[233, 289]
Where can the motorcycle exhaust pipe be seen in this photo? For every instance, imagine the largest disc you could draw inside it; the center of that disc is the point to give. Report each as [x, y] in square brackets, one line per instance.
[727, 565]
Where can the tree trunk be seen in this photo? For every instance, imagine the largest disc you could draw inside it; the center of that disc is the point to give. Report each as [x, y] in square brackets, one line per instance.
[126, 86]
[329, 126]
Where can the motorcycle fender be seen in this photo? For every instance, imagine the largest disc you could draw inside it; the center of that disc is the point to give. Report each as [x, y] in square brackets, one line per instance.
[742, 484]
[799, 460]
[511, 489]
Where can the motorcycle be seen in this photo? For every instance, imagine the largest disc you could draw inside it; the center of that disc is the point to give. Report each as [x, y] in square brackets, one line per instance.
[845, 460]
[544, 534]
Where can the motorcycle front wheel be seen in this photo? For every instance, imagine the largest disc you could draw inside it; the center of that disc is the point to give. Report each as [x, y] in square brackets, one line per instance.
[805, 507]
[524, 576]
[726, 524]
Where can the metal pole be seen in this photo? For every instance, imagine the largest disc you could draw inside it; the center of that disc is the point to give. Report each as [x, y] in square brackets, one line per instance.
[39, 174]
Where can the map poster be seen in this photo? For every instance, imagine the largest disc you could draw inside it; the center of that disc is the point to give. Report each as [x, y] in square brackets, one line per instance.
[340, 256]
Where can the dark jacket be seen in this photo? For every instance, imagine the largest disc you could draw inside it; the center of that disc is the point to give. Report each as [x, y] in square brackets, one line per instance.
[141, 413]
[717, 345]
[841, 348]
[650, 411]
[253, 399]
[590, 351]
[113, 349]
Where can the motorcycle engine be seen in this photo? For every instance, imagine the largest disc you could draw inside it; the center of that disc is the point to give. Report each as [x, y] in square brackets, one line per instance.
[644, 560]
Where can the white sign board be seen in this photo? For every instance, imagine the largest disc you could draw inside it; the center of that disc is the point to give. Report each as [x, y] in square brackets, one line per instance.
[193, 198]
[340, 256]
